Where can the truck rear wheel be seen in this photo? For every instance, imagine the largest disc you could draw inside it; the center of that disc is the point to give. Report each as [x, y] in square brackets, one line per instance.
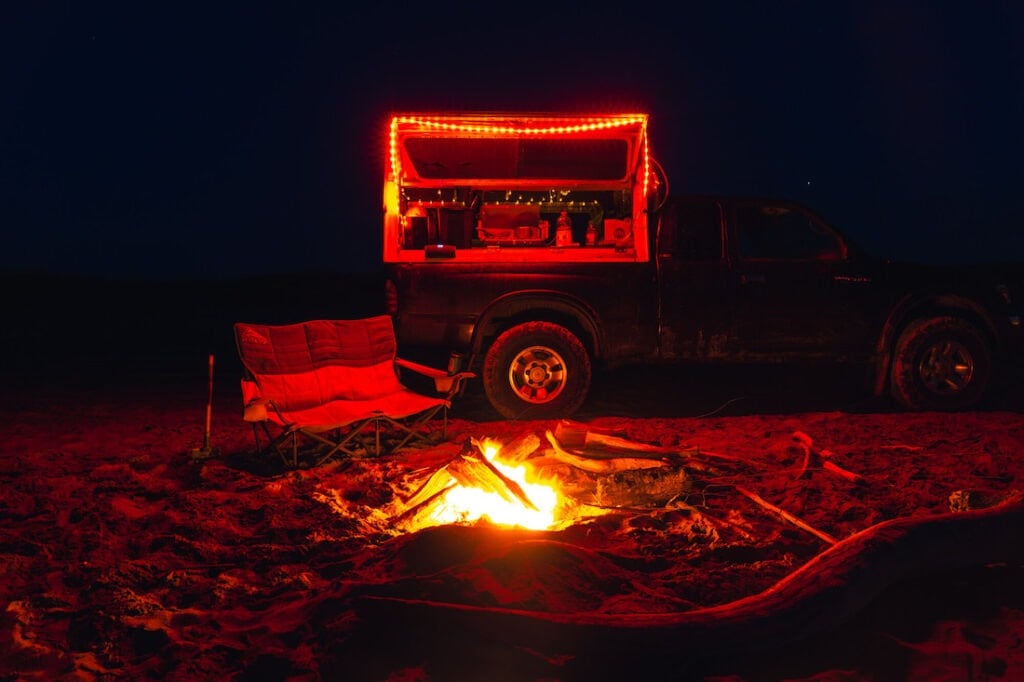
[940, 363]
[536, 370]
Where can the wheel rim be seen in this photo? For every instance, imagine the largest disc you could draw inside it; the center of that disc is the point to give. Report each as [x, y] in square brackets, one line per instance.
[946, 368]
[537, 374]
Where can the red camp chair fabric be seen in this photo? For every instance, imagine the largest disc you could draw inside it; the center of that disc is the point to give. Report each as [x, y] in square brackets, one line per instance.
[320, 376]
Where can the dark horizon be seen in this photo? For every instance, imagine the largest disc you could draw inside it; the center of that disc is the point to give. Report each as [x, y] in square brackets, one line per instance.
[250, 141]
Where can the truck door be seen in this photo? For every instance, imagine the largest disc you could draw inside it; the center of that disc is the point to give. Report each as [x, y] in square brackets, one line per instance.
[796, 290]
[696, 288]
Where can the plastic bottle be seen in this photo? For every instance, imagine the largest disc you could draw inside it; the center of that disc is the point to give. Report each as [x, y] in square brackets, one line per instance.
[563, 235]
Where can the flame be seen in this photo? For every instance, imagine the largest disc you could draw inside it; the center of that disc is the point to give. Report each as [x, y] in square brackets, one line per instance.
[463, 504]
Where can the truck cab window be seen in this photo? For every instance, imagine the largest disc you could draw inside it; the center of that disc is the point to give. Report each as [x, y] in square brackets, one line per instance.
[693, 232]
[780, 233]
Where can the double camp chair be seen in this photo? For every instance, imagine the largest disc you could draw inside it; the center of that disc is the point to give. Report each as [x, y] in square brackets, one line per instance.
[318, 389]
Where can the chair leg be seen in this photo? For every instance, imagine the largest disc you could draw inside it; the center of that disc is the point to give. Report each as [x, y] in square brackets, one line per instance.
[413, 429]
[330, 447]
[341, 445]
[273, 443]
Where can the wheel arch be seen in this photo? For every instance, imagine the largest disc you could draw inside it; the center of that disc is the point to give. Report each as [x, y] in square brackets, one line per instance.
[541, 306]
[915, 308]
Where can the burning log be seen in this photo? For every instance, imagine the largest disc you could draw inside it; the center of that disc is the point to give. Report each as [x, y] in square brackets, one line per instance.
[471, 469]
[439, 481]
[519, 449]
[473, 486]
[571, 481]
[492, 479]
[419, 514]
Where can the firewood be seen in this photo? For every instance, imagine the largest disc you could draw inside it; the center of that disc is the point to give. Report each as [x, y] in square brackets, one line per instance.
[581, 439]
[727, 458]
[600, 466]
[519, 449]
[641, 487]
[485, 470]
[834, 468]
[720, 524]
[418, 514]
[437, 482]
[805, 461]
[572, 434]
[787, 516]
[473, 470]
[571, 482]
[821, 458]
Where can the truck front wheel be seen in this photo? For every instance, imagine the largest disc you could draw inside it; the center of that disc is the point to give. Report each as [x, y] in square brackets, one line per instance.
[940, 363]
[536, 370]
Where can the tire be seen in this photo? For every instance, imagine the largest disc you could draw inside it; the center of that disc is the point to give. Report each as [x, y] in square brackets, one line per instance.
[940, 363]
[536, 370]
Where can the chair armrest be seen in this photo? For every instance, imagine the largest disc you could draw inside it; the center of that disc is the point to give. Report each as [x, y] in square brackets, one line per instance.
[254, 405]
[444, 383]
[256, 410]
[450, 385]
[250, 391]
[425, 370]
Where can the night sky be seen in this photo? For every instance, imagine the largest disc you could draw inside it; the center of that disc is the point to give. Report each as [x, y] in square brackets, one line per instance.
[220, 140]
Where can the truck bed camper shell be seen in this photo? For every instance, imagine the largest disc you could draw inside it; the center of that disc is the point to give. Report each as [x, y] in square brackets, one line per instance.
[493, 187]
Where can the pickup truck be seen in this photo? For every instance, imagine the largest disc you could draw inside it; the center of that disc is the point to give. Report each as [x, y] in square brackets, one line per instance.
[539, 248]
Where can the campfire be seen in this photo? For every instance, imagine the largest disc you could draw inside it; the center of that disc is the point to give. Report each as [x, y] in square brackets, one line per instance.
[478, 485]
[547, 481]
[520, 484]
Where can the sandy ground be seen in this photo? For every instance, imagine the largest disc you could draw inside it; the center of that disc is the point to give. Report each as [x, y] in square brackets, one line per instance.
[123, 556]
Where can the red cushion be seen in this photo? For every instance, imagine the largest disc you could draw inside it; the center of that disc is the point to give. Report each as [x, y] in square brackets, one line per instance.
[343, 412]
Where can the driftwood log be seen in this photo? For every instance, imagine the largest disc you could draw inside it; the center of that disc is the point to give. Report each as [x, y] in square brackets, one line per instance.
[817, 597]
[603, 465]
[582, 439]
[627, 474]
[641, 487]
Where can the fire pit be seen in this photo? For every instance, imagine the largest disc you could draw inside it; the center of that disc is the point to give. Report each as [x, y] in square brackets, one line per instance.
[579, 475]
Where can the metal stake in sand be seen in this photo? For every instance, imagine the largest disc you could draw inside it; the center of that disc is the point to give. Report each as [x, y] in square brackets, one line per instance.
[206, 451]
